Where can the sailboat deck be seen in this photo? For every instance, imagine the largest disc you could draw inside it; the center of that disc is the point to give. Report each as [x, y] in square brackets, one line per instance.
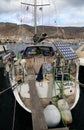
[29, 75]
[37, 61]
[36, 105]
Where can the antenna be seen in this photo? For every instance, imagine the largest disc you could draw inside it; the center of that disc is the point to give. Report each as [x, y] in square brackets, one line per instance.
[35, 12]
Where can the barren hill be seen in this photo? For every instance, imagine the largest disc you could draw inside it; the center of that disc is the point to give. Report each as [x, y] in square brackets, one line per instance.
[15, 32]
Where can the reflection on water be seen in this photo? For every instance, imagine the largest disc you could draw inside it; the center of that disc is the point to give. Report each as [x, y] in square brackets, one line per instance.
[22, 46]
[16, 47]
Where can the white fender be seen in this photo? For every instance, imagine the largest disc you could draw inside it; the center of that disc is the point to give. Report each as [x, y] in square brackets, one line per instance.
[52, 115]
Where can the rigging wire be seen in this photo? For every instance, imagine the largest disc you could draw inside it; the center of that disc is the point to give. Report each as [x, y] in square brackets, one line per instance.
[55, 10]
[50, 15]
[59, 30]
[42, 16]
[21, 21]
[32, 14]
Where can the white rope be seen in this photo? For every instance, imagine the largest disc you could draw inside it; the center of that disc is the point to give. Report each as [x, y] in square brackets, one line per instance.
[14, 115]
[82, 85]
[5, 90]
[15, 85]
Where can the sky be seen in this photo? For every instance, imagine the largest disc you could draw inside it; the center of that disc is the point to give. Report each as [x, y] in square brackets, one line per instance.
[57, 13]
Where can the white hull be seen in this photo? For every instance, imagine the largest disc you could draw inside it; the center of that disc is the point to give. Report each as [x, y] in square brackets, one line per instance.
[44, 91]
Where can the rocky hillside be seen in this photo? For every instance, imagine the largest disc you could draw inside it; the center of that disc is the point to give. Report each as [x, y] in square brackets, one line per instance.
[14, 33]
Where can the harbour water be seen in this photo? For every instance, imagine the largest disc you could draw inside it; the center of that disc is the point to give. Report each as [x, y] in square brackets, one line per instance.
[22, 46]
[22, 119]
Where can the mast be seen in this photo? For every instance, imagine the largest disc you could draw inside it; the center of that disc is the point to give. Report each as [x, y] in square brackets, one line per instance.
[35, 12]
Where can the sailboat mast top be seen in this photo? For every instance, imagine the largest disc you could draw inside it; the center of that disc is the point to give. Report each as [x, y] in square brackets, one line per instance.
[35, 12]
